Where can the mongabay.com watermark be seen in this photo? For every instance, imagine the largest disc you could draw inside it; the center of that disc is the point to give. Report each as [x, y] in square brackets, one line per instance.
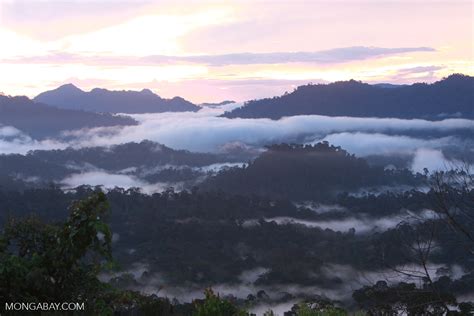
[44, 306]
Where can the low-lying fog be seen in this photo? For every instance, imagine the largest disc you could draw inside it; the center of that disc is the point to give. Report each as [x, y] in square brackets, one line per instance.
[281, 297]
[361, 224]
[205, 131]
[133, 177]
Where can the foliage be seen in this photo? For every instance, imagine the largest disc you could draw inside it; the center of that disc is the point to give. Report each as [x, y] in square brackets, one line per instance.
[47, 262]
[213, 305]
[206, 237]
[209, 237]
[120, 302]
[402, 298]
[319, 309]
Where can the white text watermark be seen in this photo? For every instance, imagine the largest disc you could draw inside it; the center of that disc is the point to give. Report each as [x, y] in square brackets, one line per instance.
[44, 306]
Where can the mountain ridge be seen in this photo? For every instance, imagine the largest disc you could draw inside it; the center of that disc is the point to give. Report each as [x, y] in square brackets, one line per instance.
[68, 96]
[40, 120]
[450, 97]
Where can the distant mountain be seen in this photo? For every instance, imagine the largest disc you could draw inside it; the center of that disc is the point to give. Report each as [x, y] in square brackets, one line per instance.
[40, 120]
[450, 97]
[69, 96]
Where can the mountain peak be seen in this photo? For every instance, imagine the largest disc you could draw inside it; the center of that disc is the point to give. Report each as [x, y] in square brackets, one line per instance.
[99, 90]
[457, 78]
[147, 91]
[69, 87]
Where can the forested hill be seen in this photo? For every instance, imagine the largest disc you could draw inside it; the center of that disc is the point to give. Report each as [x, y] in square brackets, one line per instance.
[54, 165]
[102, 100]
[40, 120]
[145, 153]
[450, 97]
[301, 172]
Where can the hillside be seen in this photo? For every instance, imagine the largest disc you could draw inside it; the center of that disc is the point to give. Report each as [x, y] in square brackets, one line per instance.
[450, 97]
[304, 172]
[40, 120]
[146, 160]
[116, 157]
[102, 100]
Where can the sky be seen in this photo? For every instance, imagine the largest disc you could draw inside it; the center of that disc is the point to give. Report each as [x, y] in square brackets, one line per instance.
[209, 51]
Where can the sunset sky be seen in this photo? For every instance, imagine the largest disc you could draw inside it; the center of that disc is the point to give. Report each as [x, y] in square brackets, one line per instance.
[215, 50]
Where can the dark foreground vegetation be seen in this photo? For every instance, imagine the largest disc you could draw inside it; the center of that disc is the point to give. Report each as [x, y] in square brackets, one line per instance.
[202, 238]
[291, 227]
